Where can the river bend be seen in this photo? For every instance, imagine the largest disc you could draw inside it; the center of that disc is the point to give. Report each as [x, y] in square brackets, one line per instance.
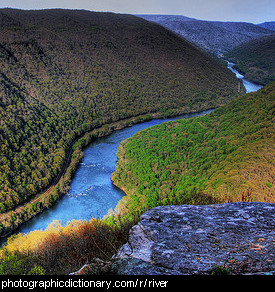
[92, 193]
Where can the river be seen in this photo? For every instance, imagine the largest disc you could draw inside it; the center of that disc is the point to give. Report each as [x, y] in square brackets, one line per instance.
[249, 86]
[92, 193]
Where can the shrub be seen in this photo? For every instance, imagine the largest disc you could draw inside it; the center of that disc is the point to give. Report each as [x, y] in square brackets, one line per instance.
[219, 270]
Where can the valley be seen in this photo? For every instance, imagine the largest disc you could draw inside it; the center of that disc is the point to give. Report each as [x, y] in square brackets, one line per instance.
[92, 185]
[74, 84]
[72, 71]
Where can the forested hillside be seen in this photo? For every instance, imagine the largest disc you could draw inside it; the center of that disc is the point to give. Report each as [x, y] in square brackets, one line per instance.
[216, 37]
[269, 25]
[256, 59]
[65, 72]
[225, 156]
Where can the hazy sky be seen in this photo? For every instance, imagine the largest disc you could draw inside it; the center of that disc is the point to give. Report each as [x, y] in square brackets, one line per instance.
[255, 11]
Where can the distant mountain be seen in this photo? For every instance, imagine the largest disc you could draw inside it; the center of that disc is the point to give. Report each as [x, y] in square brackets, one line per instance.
[66, 72]
[165, 18]
[212, 36]
[256, 59]
[269, 25]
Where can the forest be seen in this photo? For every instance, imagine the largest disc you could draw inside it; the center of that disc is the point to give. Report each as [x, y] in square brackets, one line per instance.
[255, 59]
[66, 72]
[225, 156]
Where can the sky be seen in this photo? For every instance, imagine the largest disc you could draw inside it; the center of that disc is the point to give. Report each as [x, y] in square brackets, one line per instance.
[255, 11]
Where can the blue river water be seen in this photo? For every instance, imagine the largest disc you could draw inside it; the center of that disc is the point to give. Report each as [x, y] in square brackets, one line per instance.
[249, 86]
[92, 193]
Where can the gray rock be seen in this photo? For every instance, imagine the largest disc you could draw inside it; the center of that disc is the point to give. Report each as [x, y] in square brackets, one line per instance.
[192, 239]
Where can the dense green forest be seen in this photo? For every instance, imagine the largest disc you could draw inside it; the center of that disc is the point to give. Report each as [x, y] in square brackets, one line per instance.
[225, 156]
[65, 72]
[255, 59]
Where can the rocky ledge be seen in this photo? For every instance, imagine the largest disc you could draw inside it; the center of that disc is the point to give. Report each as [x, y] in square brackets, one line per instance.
[188, 239]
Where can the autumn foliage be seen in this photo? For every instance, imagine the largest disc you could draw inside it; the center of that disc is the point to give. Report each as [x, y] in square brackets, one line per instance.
[60, 250]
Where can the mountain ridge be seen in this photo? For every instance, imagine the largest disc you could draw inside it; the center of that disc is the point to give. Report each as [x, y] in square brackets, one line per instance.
[268, 24]
[216, 37]
[67, 72]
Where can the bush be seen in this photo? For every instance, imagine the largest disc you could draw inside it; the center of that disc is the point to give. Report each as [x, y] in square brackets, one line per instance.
[15, 263]
[219, 270]
[37, 270]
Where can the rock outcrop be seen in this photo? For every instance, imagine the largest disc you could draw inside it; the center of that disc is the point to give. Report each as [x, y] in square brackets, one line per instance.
[190, 239]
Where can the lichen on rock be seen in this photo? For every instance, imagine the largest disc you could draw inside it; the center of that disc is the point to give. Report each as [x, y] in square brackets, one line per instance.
[193, 239]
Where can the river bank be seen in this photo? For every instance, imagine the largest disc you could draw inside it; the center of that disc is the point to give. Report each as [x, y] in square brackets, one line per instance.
[13, 220]
[210, 159]
[249, 85]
